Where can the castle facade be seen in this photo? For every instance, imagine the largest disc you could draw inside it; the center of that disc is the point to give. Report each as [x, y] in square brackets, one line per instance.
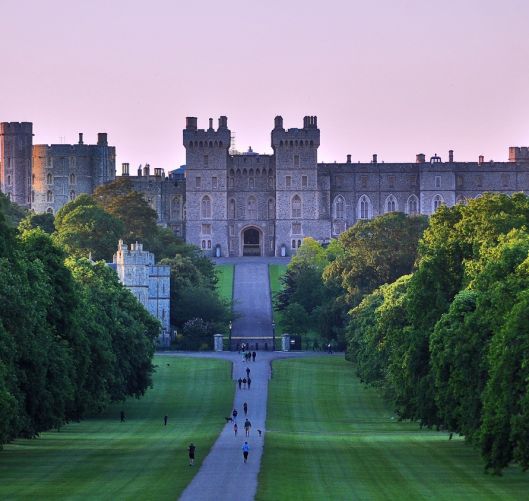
[249, 204]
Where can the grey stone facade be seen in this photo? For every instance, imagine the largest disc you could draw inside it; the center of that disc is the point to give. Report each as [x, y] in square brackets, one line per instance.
[150, 283]
[234, 204]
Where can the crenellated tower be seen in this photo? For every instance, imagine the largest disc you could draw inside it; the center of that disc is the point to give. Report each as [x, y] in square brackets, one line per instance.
[297, 203]
[206, 190]
[16, 144]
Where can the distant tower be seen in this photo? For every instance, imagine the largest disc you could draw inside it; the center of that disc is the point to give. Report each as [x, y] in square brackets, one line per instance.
[297, 202]
[206, 195]
[16, 144]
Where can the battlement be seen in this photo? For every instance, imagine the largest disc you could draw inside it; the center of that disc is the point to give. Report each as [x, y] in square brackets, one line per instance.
[519, 154]
[16, 128]
[207, 138]
[309, 135]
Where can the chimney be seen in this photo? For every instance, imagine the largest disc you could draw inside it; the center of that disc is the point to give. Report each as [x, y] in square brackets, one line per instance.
[420, 158]
[102, 139]
[211, 124]
[348, 159]
[375, 160]
[146, 170]
[481, 160]
[191, 123]
[278, 122]
[451, 156]
[223, 122]
[139, 171]
[125, 169]
[80, 138]
[158, 172]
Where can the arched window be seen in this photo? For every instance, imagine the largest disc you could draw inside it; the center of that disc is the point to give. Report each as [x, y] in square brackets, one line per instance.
[8, 180]
[296, 206]
[206, 207]
[49, 196]
[339, 207]
[437, 202]
[391, 204]
[413, 205]
[364, 207]
[176, 208]
[32, 179]
[49, 210]
[72, 178]
[33, 196]
[231, 209]
[49, 178]
[461, 200]
[271, 209]
[252, 208]
[72, 195]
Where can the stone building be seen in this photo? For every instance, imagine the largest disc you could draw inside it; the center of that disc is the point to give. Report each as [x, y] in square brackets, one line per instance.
[254, 204]
[45, 177]
[149, 282]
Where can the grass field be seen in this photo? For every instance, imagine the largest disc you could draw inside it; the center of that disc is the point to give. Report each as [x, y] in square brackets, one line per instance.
[331, 438]
[275, 272]
[102, 458]
[225, 283]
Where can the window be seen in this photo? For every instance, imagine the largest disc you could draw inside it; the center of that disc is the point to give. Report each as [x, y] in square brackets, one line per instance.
[231, 209]
[49, 178]
[205, 207]
[33, 179]
[206, 229]
[270, 182]
[339, 208]
[413, 205]
[214, 182]
[437, 181]
[296, 228]
[479, 180]
[206, 160]
[198, 182]
[339, 181]
[33, 196]
[49, 196]
[49, 210]
[412, 180]
[232, 230]
[252, 208]
[231, 182]
[209, 244]
[363, 181]
[437, 202]
[296, 160]
[203, 244]
[391, 181]
[391, 204]
[293, 244]
[459, 181]
[288, 181]
[296, 206]
[364, 207]
[505, 180]
[271, 209]
[251, 182]
[8, 180]
[304, 181]
[175, 208]
[72, 195]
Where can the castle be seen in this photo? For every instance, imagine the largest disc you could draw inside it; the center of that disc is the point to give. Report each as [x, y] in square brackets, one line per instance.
[150, 283]
[249, 204]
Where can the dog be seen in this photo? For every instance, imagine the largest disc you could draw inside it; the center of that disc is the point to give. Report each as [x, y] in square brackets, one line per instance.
[228, 420]
[260, 432]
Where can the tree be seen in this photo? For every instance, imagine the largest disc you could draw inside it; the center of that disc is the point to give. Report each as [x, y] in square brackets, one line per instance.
[43, 221]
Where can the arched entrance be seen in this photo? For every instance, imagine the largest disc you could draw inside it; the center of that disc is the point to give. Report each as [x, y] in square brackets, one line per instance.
[251, 242]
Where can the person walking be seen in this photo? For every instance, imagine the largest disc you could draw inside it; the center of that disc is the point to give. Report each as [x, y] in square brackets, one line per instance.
[234, 414]
[165, 418]
[245, 451]
[245, 407]
[249, 382]
[122, 416]
[191, 451]
[235, 429]
[240, 382]
[244, 383]
[247, 371]
[253, 355]
[247, 426]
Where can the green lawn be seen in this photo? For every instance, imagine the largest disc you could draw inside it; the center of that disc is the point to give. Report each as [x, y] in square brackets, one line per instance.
[275, 272]
[225, 283]
[331, 438]
[102, 458]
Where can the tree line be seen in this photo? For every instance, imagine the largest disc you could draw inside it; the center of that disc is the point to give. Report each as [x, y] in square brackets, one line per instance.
[444, 333]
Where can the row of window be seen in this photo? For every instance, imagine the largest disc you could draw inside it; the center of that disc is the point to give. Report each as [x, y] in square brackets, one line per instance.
[251, 208]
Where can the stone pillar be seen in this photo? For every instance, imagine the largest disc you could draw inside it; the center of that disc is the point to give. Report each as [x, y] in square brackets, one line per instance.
[218, 342]
[285, 342]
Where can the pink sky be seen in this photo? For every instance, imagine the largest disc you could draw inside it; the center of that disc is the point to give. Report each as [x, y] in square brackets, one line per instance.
[392, 77]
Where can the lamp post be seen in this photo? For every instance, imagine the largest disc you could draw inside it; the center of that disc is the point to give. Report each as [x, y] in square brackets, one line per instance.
[229, 340]
[273, 336]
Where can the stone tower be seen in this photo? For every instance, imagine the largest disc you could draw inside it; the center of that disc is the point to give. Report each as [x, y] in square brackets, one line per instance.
[206, 195]
[16, 144]
[297, 201]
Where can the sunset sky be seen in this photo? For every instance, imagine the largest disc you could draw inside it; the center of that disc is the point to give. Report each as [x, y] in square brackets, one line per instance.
[392, 77]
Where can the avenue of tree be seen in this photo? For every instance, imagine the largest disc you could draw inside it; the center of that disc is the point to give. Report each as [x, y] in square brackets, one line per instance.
[433, 313]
